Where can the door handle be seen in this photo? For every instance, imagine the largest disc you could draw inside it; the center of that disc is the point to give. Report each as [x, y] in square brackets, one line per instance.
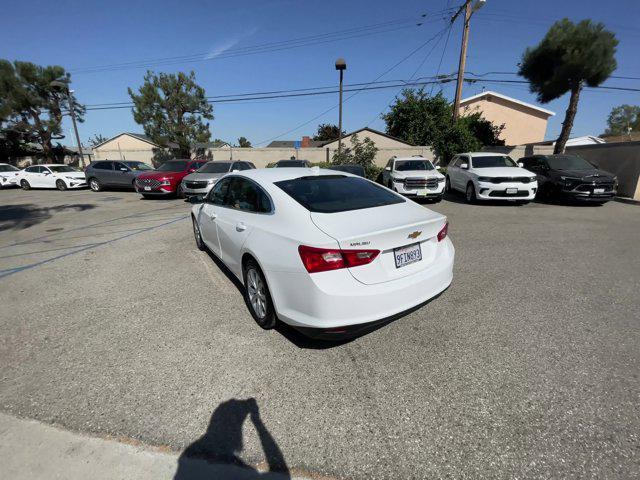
[241, 227]
[212, 216]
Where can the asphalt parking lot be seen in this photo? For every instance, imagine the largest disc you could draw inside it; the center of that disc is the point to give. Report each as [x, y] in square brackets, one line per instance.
[528, 366]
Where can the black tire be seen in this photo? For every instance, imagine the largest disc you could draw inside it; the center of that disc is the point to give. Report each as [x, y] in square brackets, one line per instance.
[470, 193]
[197, 235]
[25, 185]
[60, 185]
[447, 185]
[179, 192]
[94, 184]
[437, 200]
[261, 309]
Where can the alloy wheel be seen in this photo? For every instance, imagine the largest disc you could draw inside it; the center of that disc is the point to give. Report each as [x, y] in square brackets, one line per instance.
[257, 293]
[60, 185]
[95, 186]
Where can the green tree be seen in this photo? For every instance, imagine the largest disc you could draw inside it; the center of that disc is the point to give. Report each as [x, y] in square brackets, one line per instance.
[244, 143]
[362, 153]
[420, 119]
[97, 139]
[569, 57]
[31, 107]
[327, 132]
[623, 119]
[171, 109]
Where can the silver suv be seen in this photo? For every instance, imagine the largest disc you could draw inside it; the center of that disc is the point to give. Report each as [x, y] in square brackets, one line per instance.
[201, 181]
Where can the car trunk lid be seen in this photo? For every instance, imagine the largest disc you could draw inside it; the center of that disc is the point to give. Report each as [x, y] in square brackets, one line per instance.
[386, 229]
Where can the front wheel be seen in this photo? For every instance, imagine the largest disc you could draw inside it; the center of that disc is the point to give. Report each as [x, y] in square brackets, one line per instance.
[447, 185]
[470, 194]
[197, 235]
[25, 185]
[257, 296]
[179, 191]
[60, 185]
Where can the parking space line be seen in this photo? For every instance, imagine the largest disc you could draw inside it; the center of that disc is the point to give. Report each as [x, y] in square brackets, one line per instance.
[10, 271]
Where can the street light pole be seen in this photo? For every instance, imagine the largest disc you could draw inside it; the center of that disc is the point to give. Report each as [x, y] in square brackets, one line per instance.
[468, 10]
[341, 66]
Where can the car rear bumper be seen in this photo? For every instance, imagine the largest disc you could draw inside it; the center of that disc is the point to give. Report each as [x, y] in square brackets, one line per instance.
[333, 299]
[498, 191]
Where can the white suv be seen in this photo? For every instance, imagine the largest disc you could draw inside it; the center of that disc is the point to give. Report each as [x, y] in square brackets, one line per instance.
[413, 177]
[490, 176]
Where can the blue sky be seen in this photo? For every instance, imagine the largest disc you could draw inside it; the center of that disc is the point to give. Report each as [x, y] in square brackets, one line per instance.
[82, 34]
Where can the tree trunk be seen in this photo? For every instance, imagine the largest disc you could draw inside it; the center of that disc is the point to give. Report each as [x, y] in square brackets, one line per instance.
[569, 116]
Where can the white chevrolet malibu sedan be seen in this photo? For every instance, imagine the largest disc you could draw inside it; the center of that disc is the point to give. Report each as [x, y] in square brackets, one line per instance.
[327, 253]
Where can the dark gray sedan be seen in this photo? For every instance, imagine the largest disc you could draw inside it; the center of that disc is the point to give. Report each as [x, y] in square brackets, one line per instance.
[119, 174]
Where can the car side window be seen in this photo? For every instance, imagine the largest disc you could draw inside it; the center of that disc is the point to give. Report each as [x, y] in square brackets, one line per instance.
[31, 169]
[44, 170]
[247, 196]
[119, 166]
[103, 166]
[219, 192]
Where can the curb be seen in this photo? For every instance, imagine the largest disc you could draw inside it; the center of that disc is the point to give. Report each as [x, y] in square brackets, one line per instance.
[630, 201]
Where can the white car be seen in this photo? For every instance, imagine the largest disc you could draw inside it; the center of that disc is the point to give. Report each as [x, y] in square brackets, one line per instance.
[413, 177]
[8, 175]
[325, 252]
[490, 176]
[51, 176]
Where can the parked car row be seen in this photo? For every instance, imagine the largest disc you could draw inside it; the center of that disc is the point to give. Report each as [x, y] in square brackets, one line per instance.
[478, 175]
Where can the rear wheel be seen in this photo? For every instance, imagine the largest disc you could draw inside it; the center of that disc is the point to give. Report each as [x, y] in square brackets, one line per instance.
[257, 296]
[60, 185]
[179, 191]
[25, 185]
[447, 185]
[470, 194]
[94, 184]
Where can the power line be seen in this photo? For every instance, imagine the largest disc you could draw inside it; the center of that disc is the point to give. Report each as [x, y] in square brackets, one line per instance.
[355, 32]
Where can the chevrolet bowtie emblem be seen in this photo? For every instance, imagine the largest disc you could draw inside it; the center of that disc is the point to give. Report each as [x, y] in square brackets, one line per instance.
[414, 235]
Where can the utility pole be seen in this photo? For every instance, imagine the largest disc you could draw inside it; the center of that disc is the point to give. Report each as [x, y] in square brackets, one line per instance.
[341, 65]
[468, 11]
[75, 127]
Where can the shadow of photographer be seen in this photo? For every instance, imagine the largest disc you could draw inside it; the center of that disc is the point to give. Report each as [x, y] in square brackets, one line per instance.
[215, 455]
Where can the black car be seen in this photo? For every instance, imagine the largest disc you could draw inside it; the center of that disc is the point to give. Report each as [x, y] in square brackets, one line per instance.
[292, 163]
[571, 177]
[352, 168]
[120, 174]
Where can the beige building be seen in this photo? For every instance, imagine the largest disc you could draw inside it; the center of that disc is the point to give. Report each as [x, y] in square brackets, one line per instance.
[523, 122]
[382, 140]
[126, 146]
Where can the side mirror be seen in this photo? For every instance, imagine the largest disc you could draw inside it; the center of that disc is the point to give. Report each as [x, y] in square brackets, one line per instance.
[191, 170]
[388, 169]
[195, 199]
[521, 165]
[464, 166]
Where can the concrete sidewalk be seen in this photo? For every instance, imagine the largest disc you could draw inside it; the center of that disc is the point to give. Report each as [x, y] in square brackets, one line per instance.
[31, 450]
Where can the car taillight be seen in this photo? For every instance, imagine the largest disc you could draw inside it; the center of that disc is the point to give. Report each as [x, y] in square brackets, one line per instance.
[442, 234]
[324, 259]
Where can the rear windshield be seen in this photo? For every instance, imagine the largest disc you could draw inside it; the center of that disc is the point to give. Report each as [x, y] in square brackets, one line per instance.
[497, 161]
[173, 166]
[337, 193]
[215, 167]
[291, 163]
[138, 166]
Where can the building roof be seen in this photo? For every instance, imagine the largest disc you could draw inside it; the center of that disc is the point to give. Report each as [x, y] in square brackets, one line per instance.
[573, 141]
[291, 143]
[508, 99]
[139, 136]
[377, 132]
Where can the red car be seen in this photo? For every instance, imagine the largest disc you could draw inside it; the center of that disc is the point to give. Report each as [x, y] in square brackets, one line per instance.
[165, 180]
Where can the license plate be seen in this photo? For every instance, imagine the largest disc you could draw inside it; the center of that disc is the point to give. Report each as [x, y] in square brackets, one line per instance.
[147, 189]
[407, 255]
[511, 191]
[598, 190]
[421, 193]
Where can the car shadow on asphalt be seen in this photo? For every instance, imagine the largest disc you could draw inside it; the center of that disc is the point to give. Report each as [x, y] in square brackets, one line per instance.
[15, 217]
[216, 454]
[294, 336]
